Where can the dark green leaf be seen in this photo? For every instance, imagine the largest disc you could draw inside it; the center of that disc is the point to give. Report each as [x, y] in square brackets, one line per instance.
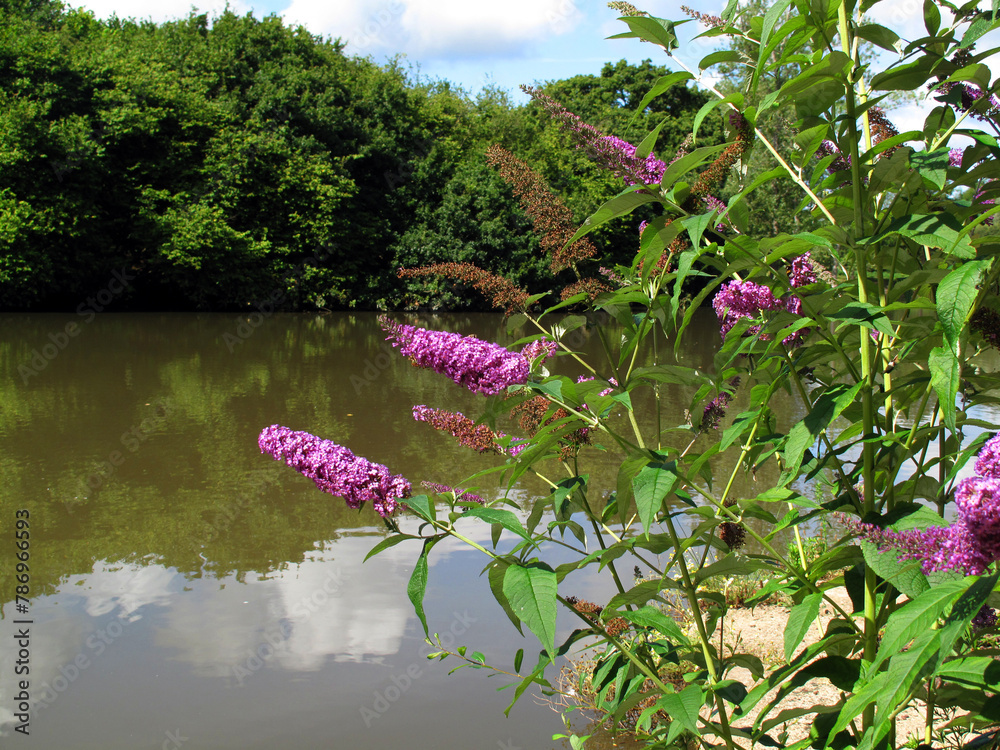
[800, 619]
[531, 591]
[956, 294]
[502, 517]
[651, 486]
[391, 541]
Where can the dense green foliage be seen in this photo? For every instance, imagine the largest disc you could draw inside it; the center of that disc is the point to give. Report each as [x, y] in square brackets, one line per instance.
[889, 356]
[230, 162]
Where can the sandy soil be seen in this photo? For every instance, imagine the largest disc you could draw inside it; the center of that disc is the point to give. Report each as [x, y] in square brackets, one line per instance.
[761, 632]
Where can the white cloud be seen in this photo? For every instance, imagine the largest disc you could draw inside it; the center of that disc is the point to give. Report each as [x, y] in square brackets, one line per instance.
[437, 28]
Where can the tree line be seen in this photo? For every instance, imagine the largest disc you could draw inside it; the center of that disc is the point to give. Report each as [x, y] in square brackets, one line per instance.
[221, 163]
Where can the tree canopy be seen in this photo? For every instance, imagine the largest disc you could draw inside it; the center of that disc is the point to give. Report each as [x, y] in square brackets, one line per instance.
[221, 162]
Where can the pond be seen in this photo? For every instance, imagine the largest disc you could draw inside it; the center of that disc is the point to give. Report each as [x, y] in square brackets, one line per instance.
[186, 591]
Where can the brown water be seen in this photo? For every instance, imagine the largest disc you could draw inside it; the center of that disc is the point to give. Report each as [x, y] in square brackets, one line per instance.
[187, 591]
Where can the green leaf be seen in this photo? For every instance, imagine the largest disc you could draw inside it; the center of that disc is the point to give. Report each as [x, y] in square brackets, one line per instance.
[620, 205]
[880, 36]
[638, 595]
[651, 617]
[818, 87]
[688, 162]
[495, 515]
[908, 77]
[705, 110]
[977, 671]
[651, 485]
[531, 591]
[932, 17]
[496, 573]
[645, 148]
[391, 541]
[771, 18]
[421, 505]
[934, 230]
[946, 374]
[656, 30]
[720, 56]
[825, 410]
[418, 583]
[696, 225]
[863, 314]
[683, 709]
[979, 27]
[956, 295]
[662, 84]
[926, 654]
[932, 166]
[800, 619]
[905, 575]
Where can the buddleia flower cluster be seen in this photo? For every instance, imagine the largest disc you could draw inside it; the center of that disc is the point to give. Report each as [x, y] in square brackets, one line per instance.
[748, 299]
[502, 293]
[971, 543]
[478, 365]
[335, 469]
[479, 437]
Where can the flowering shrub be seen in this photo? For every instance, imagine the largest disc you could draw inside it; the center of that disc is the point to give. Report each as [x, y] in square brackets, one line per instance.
[880, 348]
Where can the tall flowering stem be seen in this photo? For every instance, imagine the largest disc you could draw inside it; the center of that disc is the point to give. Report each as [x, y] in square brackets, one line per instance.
[609, 151]
[551, 219]
[502, 293]
[479, 437]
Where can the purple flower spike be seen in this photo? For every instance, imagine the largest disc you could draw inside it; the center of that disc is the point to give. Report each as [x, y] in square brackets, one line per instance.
[978, 500]
[336, 469]
[742, 299]
[988, 461]
[478, 365]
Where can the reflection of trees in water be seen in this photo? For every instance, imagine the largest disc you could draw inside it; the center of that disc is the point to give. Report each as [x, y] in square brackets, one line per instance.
[191, 489]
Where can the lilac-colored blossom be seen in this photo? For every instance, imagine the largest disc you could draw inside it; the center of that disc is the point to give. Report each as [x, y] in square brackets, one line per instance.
[978, 501]
[802, 272]
[747, 299]
[716, 408]
[609, 151]
[623, 160]
[336, 469]
[478, 365]
[988, 461]
[714, 204]
[841, 163]
[955, 157]
[539, 348]
[971, 96]
[978, 200]
[970, 544]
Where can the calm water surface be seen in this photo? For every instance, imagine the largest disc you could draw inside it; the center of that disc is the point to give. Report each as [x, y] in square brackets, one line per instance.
[187, 591]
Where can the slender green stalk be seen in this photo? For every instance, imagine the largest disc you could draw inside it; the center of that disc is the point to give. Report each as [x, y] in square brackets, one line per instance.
[706, 647]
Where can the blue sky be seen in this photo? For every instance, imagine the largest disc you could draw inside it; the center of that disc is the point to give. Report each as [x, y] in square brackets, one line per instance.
[467, 42]
[504, 43]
